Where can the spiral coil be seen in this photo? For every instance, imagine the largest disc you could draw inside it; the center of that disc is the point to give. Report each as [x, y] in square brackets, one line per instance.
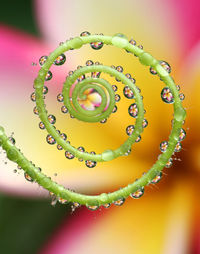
[75, 89]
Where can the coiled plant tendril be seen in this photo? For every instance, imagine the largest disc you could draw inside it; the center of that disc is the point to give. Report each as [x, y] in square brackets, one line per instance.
[71, 97]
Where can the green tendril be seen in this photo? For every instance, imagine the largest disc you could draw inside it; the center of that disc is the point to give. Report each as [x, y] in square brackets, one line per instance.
[102, 112]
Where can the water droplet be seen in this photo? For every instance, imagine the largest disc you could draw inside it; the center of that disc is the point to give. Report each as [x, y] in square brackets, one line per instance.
[48, 76]
[60, 97]
[85, 33]
[41, 125]
[51, 194]
[33, 96]
[103, 120]
[167, 96]
[178, 147]
[133, 42]
[50, 139]
[152, 71]
[133, 110]
[82, 77]
[53, 200]
[96, 45]
[107, 205]
[114, 87]
[114, 109]
[119, 202]
[60, 60]
[42, 60]
[63, 136]
[70, 73]
[138, 193]
[128, 93]
[117, 97]
[39, 169]
[166, 66]
[144, 123]
[90, 164]
[163, 146]
[130, 129]
[12, 140]
[62, 200]
[76, 204]
[181, 96]
[81, 149]
[178, 87]
[52, 119]
[59, 147]
[139, 90]
[89, 62]
[120, 35]
[69, 155]
[128, 75]
[140, 46]
[127, 152]
[57, 130]
[157, 178]
[119, 68]
[64, 109]
[27, 177]
[35, 110]
[138, 139]
[96, 74]
[182, 135]
[45, 90]
[92, 207]
[169, 163]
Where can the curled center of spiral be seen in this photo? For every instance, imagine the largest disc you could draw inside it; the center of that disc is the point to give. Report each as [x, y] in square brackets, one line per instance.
[90, 99]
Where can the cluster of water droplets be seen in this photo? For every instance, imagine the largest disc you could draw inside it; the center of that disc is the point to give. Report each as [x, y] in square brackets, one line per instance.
[168, 97]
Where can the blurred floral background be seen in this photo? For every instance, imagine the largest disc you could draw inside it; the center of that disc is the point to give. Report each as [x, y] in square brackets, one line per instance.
[166, 220]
